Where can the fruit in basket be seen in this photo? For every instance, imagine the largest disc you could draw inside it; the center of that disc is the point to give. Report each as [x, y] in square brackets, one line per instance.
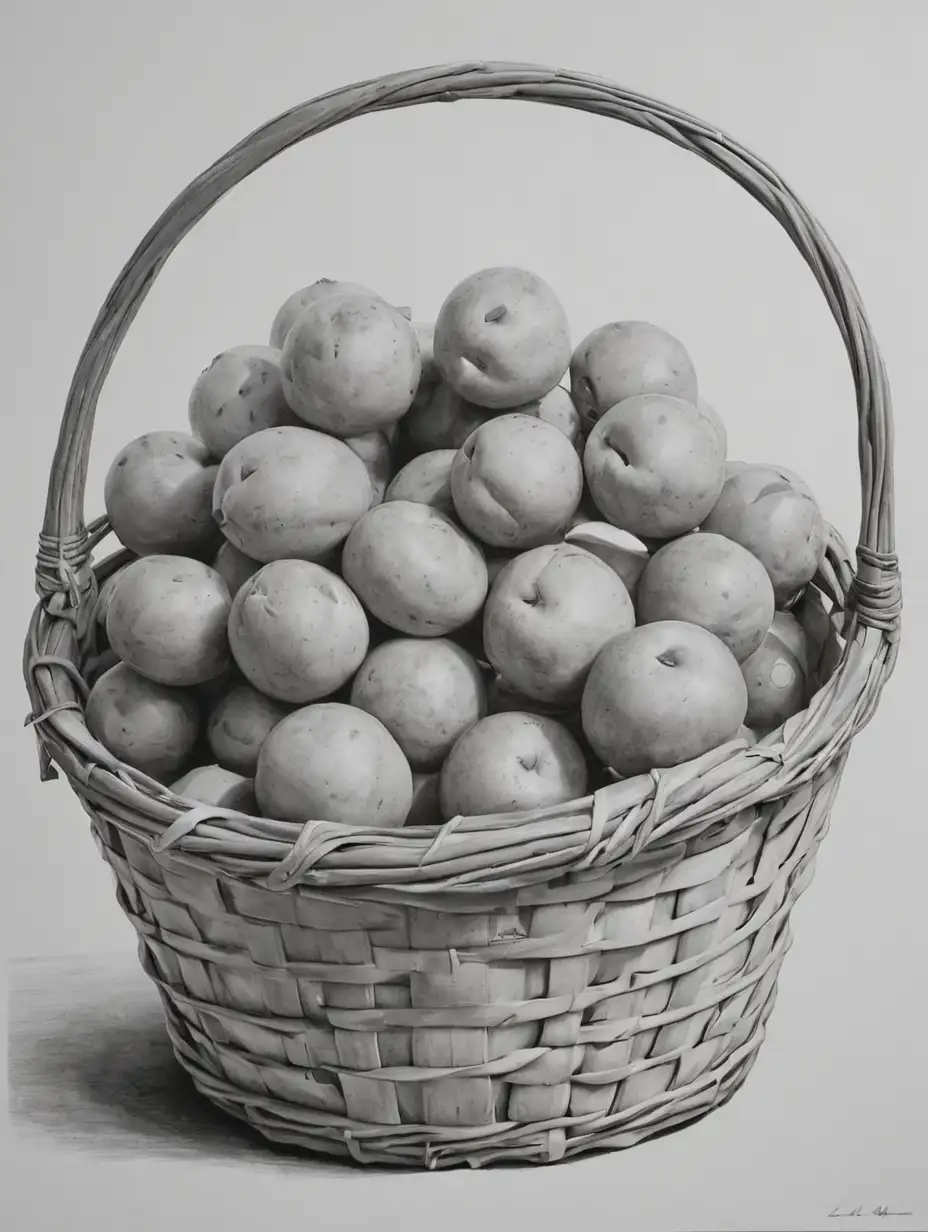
[516, 482]
[240, 393]
[415, 569]
[655, 466]
[440, 420]
[625, 359]
[376, 452]
[105, 595]
[425, 691]
[511, 761]
[217, 785]
[168, 618]
[158, 495]
[234, 567]
[238, 723]
[350, 365]
[150, 726]
[623, 553]
[550, 612]
[661, 694]
[425, 480]
[425, 809]
[297, 632]
[776, 685]
[711, 581]
[336, 763]
[290, 493]
[299, 301]
[502, 338]
[556, 408]
[790, 632]
[772, 513]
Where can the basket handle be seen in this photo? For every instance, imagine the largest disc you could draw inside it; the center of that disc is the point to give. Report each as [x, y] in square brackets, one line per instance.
[63, 573]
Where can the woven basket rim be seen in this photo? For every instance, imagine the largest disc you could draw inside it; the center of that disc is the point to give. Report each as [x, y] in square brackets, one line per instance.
[645, 811]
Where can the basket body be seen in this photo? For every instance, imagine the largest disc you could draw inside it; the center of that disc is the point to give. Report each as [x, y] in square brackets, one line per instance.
[568, 1017]
[526, 988]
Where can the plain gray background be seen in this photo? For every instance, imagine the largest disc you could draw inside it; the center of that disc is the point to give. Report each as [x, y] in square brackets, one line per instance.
[109, 109]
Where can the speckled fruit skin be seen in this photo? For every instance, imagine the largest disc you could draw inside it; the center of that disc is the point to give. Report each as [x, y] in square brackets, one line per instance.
[549, 613]
[240, 393]
[234, 567]
[299, 301]
[771, 512]
[414, 569]
[502, 338]
[332, 762]
[167, 619]
[557, 408]
[660, 695]
[624, 359]
[711, 581]
[351, 365]
[297, 632]
[776, 685]
[158, 496]
[511, 761]
[238, 723]
[655, 466]
[217, 785]
[516, 482]
[426, 692]
[376, 452]
[150, 726]
[425, 480]
[442, 419]
[290, 494]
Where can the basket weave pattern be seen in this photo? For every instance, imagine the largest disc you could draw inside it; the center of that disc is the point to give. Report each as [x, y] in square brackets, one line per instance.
[529, 986]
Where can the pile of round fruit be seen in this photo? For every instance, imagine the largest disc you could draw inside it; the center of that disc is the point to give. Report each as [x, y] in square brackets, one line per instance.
[399, 573]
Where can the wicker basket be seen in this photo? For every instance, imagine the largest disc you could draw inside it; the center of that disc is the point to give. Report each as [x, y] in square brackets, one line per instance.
[527, 987]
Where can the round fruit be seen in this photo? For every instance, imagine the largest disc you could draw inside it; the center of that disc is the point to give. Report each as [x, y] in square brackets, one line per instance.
[290, 494]
[240, 393]
[502, 338]
[350, 365]
[299, 301]
[516, 482]
[234, 567]
[297, 632]
[710, 581]
[425, 692]
[426, 480]
[550, 612]
[512, 761]
[662, 694]
[414, 569]
[443, 420]
[776, 685]
[556, 408]
[158, 496]
[216, 785]
[624, 359]
[655, 466]
[146, 725]
[239, 722]
[771, 512]
[335, 763]
[167, 619]
[376, 452]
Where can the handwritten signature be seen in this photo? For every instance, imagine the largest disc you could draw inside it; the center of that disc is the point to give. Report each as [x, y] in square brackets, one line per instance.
[880, 1211]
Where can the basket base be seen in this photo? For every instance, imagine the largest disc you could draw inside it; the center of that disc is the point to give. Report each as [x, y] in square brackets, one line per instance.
[419, 1147]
